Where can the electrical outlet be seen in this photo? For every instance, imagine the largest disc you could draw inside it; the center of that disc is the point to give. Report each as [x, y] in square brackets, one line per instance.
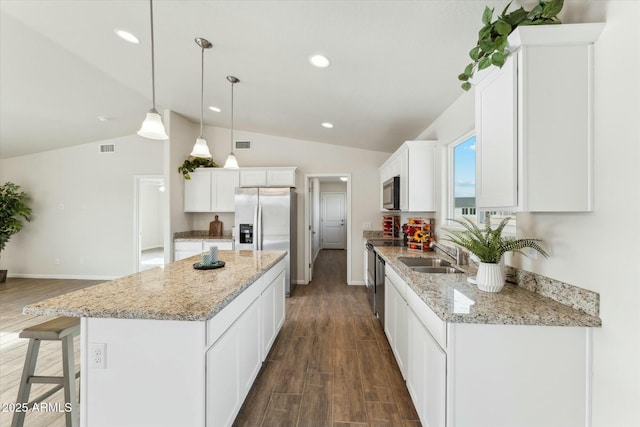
[57, 261]
[98, 355]
[366, 225]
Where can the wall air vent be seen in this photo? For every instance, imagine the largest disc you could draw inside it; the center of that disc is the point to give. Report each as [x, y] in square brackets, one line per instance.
[107, 148]
[243, 145]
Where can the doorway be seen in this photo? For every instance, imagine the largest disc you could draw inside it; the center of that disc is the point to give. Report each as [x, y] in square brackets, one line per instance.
[334, 212]
[149, 222]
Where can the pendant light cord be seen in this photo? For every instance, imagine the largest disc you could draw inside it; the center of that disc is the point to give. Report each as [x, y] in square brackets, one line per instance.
[202, 91]
[153, 71]
[232, 85]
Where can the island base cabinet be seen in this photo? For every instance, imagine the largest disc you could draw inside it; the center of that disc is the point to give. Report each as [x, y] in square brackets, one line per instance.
[149, 365]
[517, 375]
[168, 373]
[233, 362]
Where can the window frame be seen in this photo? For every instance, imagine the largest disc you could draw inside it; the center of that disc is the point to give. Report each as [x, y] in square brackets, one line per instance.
[509, 230]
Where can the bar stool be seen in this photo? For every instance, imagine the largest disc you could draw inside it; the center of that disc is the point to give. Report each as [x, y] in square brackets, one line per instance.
[58, 329]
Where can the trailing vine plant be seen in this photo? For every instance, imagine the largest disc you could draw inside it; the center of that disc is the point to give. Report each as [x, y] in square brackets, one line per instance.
[491, 48]
[193, 163]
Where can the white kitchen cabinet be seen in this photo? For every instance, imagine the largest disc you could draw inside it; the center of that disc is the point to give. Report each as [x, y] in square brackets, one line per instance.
[211, 190]
[414, 162]
[396, 319]
[534, 122]
[222, 382]
[185, 249]
[197, 192]
[486, 375]
[426, 373]
[268, 177]
[272, 313]
[240, 345]
[223, 245]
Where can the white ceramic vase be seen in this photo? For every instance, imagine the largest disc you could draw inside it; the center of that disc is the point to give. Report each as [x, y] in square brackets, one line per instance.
[490, 277]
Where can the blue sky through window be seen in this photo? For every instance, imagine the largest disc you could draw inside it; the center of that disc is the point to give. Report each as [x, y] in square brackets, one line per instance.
[464, 174]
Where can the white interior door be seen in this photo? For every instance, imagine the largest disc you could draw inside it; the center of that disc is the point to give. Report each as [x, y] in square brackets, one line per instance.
[333, 218]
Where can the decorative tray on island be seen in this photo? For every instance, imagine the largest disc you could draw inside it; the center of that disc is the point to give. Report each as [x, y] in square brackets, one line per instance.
[200, 266]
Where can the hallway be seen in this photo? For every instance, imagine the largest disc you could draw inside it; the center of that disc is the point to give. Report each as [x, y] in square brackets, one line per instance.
[331, 364]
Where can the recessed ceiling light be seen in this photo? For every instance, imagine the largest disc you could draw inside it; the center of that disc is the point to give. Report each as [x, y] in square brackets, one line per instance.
[343, 178]
[215, 109]
[104, 119]
[319, 61]
[327, 125]
[127, 36]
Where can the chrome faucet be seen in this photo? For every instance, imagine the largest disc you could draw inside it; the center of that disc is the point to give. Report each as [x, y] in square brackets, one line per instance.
[461, 257]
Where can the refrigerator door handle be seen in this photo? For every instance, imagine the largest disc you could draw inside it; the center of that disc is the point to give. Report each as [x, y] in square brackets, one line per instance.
[259, 227]
[255, 228]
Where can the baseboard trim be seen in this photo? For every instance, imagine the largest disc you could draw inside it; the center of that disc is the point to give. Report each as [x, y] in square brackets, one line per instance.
[60, 276]
[356, 283]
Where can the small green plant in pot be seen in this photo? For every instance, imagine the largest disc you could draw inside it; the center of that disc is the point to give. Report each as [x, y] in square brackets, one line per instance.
[489, 245]
[13, 210]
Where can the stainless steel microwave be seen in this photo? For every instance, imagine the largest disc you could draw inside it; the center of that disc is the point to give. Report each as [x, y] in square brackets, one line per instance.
[391, 194]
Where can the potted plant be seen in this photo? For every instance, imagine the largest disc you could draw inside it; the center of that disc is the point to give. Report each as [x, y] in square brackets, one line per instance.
[489, 246]
[13, 209]
[491, 48]
[193, 163]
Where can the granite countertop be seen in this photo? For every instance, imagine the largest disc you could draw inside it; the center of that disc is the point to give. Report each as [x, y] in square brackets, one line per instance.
[200, 235]
[175, 291]
[455, 300]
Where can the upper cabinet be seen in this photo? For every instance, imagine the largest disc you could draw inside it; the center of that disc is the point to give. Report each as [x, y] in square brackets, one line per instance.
[534, 122]
[414, 162]
[211, 190]
[268, 177]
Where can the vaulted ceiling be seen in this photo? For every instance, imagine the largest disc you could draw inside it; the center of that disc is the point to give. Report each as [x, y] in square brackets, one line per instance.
[394, 67]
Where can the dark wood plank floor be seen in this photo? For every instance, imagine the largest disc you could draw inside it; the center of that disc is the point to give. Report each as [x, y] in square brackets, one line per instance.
[14, 295]
[331, 364]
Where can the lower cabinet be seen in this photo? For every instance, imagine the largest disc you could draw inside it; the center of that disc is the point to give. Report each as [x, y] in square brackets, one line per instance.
[235, 357]
[185, 249]
[487, 375]
[426, 374]
[395, 319]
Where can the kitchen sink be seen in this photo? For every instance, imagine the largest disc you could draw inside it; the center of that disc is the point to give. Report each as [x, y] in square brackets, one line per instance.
[424, 262]
[439, 270]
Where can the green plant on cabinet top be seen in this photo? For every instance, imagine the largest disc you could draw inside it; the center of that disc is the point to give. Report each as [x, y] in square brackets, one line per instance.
[193, 163]
[491, 48]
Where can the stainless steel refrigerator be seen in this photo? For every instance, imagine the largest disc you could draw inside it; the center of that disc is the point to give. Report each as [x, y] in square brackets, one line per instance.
[265, 219]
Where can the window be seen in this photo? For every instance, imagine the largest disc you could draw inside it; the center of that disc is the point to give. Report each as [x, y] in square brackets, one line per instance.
[463, 187]
[464, 179]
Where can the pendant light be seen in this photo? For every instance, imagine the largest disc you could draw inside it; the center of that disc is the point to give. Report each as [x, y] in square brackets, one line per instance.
[152, 126]
[201, 149]
[231, 162]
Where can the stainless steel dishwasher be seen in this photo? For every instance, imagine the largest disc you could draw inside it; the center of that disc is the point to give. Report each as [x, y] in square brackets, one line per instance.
[380, 289]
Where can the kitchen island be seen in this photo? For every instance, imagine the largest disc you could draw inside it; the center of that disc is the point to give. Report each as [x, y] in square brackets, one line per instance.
[177, 346]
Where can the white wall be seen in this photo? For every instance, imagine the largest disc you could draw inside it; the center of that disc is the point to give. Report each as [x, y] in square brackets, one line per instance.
[598, 250]
[82, 204]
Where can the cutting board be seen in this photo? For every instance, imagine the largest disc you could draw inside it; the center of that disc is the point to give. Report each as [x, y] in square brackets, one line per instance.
[215, 228]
